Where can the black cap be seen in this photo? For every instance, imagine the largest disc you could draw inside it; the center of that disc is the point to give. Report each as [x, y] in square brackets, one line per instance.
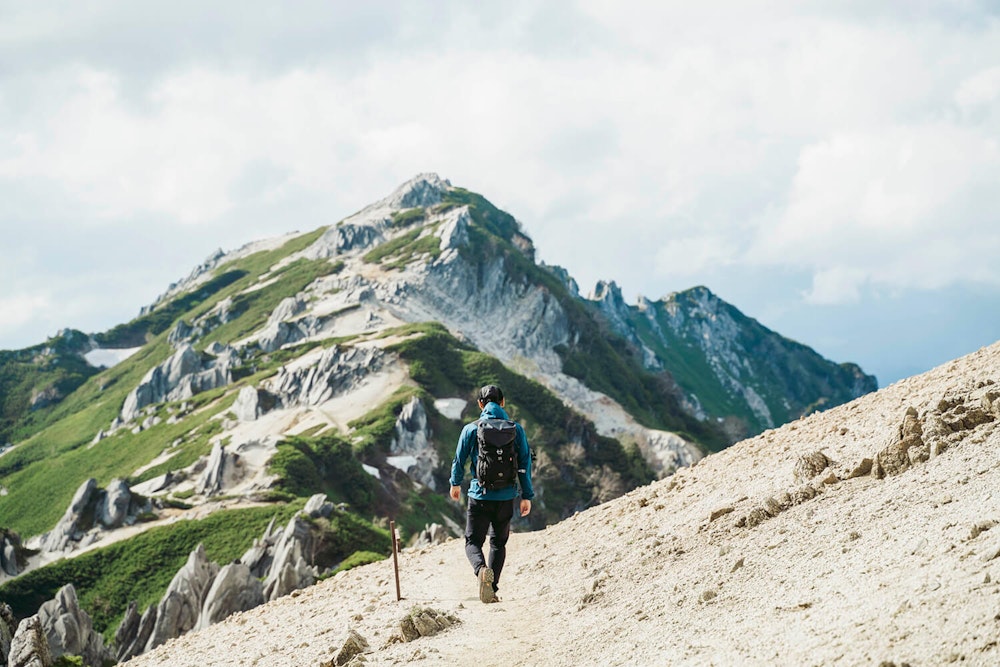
[489, 393]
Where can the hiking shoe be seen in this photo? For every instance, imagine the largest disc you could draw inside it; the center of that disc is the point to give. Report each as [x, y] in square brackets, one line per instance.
[486, 584]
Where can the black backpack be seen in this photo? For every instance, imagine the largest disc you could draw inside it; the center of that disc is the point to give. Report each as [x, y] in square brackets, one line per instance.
[496, 459]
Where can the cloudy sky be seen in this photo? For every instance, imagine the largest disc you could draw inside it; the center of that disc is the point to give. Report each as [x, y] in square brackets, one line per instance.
[830, 168]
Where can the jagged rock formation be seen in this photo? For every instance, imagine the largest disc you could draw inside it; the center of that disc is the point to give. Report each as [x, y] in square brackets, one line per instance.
[411, 449]
[180, 377]
[29, 647]
[202, 593]
[128, 642]
[316, 379]
[288, 570]
[181, 605]
[92, 512]
[233, 589]
[728, 364]
[67, 530]
[69, 630]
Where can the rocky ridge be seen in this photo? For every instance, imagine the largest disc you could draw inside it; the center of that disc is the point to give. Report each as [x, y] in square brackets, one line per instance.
[201, 594]
[750, 366]
[889, 557]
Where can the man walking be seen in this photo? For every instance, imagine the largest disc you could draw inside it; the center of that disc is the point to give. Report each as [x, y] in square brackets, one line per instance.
[501, 460]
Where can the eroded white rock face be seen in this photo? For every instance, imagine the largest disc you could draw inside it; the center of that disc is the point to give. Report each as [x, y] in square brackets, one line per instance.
[181, 605]
[233, 589]
[69, 630]
[180, 377]
[411, 447]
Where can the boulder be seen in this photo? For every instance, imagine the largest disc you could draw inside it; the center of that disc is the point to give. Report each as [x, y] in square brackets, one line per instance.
[810, 465]
[69, 630]
[112, 508]
[353, 646]
[234, 589]
[68, 528]
[247, 405]
[181, 605]
[28, 647]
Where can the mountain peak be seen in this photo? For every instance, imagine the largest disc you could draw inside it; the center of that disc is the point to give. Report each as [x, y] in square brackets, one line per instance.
[421, 190]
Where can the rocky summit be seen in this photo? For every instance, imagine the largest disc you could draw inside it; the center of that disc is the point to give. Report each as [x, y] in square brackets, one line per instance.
[319, 381]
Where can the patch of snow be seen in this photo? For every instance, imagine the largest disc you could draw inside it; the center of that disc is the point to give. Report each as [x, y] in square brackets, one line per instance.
[403, 463]
[108, 357]
[451, 407]
[372, 470]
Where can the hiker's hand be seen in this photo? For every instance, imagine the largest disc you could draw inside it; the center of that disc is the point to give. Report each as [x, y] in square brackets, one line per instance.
[525, 507]
[456, 493]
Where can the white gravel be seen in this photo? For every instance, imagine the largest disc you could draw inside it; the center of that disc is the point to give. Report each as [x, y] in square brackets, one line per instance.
[895, 570]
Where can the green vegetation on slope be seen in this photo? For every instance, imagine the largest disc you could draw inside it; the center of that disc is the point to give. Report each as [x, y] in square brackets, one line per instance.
[54, 459]
[140, 568]
[443, 366]
[33, 379]
[137, 332]
[324, 464]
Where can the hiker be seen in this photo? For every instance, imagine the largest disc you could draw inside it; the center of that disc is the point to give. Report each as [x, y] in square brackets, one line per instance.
[496, 476]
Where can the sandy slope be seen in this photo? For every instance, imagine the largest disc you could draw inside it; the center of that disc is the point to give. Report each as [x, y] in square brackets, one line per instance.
[898, 569]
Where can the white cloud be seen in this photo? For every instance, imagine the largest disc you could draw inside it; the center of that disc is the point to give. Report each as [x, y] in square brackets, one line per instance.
[836, 286]
[687, 258]
[648, 143]
[17, 309]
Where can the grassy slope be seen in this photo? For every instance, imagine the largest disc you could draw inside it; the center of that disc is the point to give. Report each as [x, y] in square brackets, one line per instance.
[55, 460]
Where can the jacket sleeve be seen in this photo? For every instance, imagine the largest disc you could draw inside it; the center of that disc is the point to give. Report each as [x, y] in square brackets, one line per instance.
[524, 463]
[462, 453]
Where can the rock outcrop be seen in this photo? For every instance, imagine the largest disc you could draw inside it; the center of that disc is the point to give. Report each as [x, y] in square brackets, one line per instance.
[233, 589]
[69, 630]
[336, 370]
[10, 548]
[202, 593]
[181, 606]
[91, 512]
[411, 449]
[68, 528]
[180, 377]
[29, 647]
[288, 570]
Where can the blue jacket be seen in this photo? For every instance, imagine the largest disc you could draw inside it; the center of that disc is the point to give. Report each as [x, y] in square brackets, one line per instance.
[467, 450]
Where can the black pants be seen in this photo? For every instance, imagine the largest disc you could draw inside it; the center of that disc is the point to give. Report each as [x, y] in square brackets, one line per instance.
[491, 516]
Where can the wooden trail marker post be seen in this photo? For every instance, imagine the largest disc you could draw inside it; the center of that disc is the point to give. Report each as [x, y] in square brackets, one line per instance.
[395, 561]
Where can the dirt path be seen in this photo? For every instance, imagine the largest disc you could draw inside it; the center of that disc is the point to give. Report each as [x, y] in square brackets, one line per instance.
[746, 558]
